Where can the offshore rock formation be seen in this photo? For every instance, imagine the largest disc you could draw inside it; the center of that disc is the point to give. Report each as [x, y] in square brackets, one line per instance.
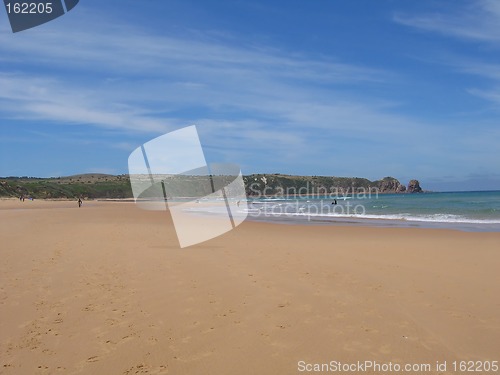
[414, 187]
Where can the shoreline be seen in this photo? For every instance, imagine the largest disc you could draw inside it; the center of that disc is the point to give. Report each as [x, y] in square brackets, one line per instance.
[308, 220]
[379, 222]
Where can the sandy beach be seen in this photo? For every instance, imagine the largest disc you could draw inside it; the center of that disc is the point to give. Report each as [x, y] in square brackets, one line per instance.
[105, 289]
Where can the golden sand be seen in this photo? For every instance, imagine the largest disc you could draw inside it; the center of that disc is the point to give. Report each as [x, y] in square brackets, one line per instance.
[105, 289]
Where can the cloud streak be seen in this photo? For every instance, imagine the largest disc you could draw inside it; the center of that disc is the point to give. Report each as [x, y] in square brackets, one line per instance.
[477, 21]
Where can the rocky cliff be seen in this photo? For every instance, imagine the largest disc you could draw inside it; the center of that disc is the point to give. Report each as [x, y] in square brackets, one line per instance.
[390, 185]
[278, 184]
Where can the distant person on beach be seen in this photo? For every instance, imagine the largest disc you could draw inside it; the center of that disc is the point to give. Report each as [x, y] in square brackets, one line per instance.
[334, 201]
[80, 202]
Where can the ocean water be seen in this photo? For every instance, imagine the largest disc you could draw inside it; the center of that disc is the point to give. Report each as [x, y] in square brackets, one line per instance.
[469, 211]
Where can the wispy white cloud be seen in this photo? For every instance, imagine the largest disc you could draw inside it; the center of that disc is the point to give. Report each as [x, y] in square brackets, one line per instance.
[492, 95]
[490, 91]
[479, 68]
[477, 20]
[29, 97]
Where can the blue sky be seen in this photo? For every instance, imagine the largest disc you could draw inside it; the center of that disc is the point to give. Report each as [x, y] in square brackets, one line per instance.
[309, 87]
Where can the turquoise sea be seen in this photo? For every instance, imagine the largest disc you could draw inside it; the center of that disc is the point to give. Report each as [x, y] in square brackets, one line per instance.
[469, 211]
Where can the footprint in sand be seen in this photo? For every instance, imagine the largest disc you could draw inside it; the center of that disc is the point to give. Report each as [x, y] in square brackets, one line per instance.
[385, 349]
[142, 368]
[211, 329]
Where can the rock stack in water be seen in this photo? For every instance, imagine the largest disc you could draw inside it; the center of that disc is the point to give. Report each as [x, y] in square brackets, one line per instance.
[414, 187]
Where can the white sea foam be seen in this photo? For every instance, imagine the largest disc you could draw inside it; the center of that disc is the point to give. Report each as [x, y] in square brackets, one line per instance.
[435, 218]
[277, 208]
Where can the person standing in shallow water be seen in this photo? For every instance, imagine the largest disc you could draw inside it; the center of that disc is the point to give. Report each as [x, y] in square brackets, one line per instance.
[80, 202]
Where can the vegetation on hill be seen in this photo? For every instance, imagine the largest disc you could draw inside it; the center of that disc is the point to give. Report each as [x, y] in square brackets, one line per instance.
[87, 186]
[93, 186]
